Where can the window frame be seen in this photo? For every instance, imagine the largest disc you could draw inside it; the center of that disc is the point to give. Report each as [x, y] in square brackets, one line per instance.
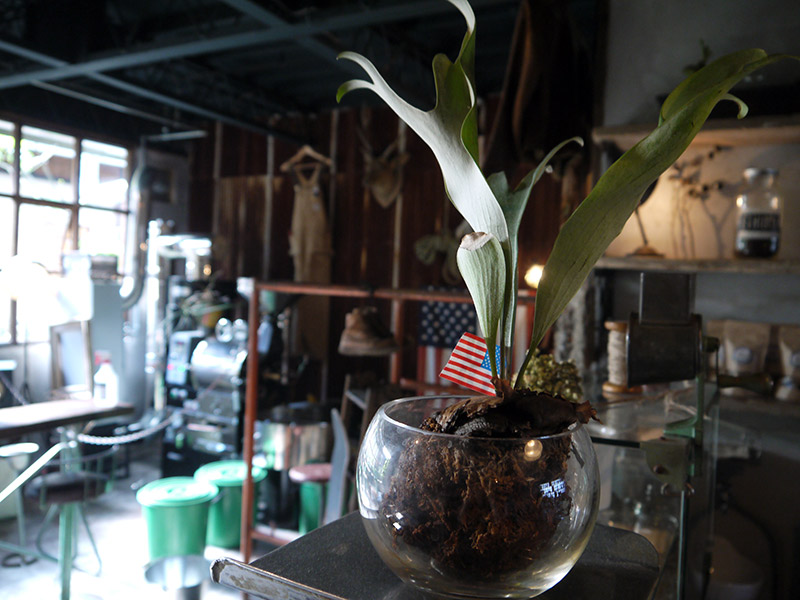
[74, 206]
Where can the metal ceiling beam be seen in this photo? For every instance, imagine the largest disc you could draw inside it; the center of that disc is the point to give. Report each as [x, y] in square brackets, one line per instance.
[139, 58]
[323, 51]
[109, 105]
[271, 20]
[149, 94]
[280, 30]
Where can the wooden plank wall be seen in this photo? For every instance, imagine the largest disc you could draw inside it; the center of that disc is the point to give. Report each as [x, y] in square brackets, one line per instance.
[362, 229]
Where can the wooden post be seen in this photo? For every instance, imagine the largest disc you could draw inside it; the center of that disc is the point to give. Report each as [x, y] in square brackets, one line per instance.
[396, 362]
[269, 195]
[398, 327]
[250, 414]
[216, 173]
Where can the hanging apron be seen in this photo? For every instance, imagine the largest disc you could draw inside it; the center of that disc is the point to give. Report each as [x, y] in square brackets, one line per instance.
[310, 248]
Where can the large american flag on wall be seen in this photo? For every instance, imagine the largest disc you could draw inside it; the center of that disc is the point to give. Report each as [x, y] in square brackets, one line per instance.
[441, 325]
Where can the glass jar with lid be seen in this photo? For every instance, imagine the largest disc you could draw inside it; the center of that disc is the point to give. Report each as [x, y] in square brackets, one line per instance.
[758, 214]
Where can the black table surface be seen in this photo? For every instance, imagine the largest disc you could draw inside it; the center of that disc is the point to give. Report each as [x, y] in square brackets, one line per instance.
[338, 562]
[42, 416]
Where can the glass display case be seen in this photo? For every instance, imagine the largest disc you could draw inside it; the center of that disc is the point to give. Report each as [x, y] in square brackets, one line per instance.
[659, 474]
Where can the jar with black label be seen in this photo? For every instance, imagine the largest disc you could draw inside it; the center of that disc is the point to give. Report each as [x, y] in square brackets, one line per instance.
[758, 211]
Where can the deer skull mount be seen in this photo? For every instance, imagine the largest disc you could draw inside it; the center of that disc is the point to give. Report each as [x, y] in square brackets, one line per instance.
[383, 174]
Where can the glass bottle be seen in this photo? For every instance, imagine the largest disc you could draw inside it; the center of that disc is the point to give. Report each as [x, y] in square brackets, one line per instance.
[758, 214]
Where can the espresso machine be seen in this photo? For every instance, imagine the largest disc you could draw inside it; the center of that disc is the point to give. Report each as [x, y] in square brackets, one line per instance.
[204, 379]
[203, 371]
[204, 375]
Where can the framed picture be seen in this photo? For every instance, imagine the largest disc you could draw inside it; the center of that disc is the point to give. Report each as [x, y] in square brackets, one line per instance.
[71, 358]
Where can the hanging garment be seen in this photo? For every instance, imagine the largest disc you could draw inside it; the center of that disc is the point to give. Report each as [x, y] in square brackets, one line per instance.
[310, 248]
[309, 238]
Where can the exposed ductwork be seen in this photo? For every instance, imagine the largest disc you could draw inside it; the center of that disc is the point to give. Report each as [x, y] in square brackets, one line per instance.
[141, 200]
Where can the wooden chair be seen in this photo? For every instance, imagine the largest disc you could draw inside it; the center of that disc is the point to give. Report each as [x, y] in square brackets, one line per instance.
[364, 394]
[363, 398]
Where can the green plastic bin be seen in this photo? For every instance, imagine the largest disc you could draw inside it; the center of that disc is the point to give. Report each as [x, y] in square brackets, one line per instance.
[225, 514]
[176, 512]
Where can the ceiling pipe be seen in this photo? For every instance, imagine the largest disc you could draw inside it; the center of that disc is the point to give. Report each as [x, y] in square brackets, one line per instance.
[141, 199]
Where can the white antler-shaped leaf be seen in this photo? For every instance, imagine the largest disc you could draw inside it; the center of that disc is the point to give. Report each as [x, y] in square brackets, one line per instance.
[449, 129]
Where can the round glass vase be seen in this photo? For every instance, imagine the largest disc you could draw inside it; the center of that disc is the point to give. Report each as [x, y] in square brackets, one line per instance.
[465, 517]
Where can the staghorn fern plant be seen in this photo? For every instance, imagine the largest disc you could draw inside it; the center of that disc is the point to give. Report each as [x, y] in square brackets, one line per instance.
[487, 259]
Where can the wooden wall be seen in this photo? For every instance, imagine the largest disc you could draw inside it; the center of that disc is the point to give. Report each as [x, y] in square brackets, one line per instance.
[247, 204]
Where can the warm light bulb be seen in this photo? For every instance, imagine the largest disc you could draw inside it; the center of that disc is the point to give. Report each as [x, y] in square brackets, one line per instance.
[533, 275]
[533, 450]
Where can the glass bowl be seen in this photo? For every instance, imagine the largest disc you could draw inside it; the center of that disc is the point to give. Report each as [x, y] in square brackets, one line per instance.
[474, 517]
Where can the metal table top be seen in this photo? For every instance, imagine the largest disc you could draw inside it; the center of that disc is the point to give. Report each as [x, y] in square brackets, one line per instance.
[337, 562]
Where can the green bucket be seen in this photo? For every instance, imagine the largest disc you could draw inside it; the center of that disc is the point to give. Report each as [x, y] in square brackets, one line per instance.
[225, 514]
[176, 512]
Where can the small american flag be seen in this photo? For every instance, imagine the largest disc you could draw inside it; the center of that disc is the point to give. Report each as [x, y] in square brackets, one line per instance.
[469, 364]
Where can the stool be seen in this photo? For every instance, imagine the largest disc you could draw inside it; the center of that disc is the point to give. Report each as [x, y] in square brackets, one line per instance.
[82, 480]
[18, 456]
[322, 485]
[312, 479]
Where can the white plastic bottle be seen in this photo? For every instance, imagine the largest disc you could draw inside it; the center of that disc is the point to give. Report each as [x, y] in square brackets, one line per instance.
[106, 384]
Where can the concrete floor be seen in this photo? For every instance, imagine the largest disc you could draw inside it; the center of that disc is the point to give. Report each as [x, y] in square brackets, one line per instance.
[120, 532]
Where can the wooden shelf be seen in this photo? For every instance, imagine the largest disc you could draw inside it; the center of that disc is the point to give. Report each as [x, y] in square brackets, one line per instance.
[743, 266]
[396, 294]
[750, 131]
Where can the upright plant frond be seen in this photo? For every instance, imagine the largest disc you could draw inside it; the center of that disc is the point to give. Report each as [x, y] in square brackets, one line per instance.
[513, 205]
[481, 262]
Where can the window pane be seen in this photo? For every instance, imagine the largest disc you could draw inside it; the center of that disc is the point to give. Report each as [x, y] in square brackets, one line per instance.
[7, 145]
[6, 229]
[46, 164]
[102, 232]
[103, 179]
[6, 250]
[44, 235]
[37, 306]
